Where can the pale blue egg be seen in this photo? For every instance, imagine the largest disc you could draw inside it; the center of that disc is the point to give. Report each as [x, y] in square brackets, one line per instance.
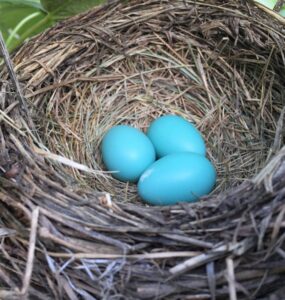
[178, 177]
[127, 151]
[170, 134]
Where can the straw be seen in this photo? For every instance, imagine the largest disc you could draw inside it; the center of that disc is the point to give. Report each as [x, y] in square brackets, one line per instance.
[69, 230]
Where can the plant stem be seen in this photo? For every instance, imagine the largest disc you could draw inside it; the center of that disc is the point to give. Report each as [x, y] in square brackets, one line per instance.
[19, 26]
[30, 31]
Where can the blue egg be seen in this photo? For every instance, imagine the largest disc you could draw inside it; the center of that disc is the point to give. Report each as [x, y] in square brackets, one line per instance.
[171, 134]
[127, 151]
[178, 177]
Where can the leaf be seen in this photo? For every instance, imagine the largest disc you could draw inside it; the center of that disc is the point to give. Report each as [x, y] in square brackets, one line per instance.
[59, 9]
[22, 3]
[268, 3]
[21, 19]
[282, 11]
[14, 13]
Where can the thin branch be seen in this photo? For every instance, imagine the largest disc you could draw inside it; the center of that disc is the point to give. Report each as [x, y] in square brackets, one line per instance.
[31, 252]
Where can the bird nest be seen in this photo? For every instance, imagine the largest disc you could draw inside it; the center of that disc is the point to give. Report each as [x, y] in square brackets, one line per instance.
[71, 231]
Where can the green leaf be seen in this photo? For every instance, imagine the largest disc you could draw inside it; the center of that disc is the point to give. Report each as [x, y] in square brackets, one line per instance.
[22, 3]
[282, 11]
[12, 13]
[22, 19]
[60, 9]
[268, 3]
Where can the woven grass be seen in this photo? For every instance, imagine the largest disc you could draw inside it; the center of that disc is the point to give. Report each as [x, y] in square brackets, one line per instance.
[71, 231]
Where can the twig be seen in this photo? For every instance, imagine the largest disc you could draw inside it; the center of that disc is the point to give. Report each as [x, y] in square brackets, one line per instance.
[12, 74]
[237, 248]
[211, 279]
[4, 232]
[31, 252]
[231, 278]
[146, 256]
[279, 131]
[189, 240]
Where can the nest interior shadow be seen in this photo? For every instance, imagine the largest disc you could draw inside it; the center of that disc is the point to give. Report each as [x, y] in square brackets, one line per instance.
[221, 66]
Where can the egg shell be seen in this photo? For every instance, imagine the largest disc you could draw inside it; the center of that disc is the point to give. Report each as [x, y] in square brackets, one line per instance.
[171, 134]
[178, 177]
[128, 151]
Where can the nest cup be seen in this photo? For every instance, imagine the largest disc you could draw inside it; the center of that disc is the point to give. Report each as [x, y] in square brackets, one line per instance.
[84, 81]
[219, 65]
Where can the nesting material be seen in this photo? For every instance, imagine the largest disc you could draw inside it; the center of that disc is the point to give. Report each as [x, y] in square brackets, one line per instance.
[70, 230]
[80, 80]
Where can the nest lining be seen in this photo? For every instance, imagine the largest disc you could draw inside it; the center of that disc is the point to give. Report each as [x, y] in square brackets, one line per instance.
[82, 81]
[219, 65]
